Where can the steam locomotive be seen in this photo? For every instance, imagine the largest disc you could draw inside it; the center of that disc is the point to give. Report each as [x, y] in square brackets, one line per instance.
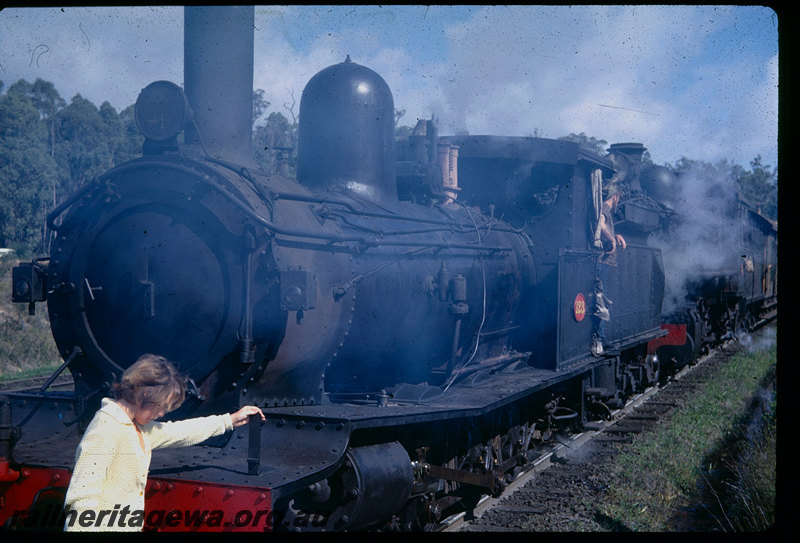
[413, 317]
[721, 254]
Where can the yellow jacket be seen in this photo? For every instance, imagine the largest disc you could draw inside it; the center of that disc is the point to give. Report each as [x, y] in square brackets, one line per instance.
[111, 468]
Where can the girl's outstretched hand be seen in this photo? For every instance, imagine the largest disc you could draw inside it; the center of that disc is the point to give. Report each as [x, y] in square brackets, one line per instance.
[240, 417]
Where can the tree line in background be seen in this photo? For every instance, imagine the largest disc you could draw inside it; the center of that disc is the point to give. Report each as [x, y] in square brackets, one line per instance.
[49, 148]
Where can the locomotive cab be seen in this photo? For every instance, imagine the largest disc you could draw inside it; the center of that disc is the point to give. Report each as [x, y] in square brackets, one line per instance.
[550, 189]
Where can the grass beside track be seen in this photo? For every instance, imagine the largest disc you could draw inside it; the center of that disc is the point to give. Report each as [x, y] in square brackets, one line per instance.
[658, 475]
[27, 348]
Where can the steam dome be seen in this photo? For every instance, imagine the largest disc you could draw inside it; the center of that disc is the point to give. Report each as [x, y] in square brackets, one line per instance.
[346, 132]
[660, 183]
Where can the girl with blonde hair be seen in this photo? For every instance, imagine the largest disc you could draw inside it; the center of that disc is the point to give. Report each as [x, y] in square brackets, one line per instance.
[113, 457]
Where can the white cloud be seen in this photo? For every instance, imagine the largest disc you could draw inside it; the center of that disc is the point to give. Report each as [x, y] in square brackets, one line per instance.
[687, 81]
[104, 54]
[670, 77]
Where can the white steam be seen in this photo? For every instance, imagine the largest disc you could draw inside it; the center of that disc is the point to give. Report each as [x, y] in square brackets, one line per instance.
[705, 239]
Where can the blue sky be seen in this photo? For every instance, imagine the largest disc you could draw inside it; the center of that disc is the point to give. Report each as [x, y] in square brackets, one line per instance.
[694, 81]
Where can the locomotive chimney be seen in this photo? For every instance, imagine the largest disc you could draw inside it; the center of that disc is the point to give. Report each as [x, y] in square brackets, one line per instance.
[218, 79]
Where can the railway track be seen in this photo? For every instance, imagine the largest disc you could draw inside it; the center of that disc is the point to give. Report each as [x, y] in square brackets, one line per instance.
[598, 436]
[554, 491]
[63, 381]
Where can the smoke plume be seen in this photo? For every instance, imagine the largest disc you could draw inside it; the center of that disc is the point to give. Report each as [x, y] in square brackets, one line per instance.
[704, 235]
